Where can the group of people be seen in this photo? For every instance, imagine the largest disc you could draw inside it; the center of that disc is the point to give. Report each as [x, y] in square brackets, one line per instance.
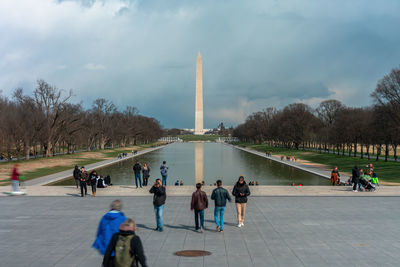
[116, 238]
[93, 179]
[361, 179]
[145, 170]
[364, 179]
[289, 158]
[199, 203]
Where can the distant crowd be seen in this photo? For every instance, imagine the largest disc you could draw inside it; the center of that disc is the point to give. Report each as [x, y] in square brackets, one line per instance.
[361, 179]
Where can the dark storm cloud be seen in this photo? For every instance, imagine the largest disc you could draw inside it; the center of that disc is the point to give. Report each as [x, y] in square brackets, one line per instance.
[255, 53]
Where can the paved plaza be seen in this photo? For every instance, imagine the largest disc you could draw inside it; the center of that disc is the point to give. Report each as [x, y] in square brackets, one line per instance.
[278, 231]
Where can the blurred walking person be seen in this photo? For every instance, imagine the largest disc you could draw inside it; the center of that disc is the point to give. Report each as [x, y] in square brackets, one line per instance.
[109, 225]
[199, 204]
[158, 203]
[136, 170]
[15, 178]
[220, 195]
[126, 246]
[145, 174]
[241, 191]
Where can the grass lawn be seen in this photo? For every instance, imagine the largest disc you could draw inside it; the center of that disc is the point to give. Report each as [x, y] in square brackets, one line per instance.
[64, 162]
[387, 171]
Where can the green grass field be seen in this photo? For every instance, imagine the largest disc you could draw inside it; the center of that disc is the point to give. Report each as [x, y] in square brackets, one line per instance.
[387, 171]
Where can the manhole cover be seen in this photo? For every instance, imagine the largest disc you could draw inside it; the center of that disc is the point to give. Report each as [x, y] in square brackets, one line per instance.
[192, 253]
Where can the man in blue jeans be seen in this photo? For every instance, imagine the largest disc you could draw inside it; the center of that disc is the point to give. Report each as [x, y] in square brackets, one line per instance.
[164, 172]
[158, 202]
[220, 195]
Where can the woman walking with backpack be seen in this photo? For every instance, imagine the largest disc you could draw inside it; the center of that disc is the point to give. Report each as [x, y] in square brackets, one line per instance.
[126, 246]
[145, 174]
[241, 191]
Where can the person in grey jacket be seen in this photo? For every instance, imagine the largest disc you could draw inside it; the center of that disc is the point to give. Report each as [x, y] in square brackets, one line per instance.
[220, 195]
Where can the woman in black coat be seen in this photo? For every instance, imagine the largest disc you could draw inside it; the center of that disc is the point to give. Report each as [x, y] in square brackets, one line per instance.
[241, 191]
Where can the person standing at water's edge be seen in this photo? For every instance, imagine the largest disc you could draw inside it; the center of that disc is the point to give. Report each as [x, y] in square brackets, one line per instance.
[76, 176]
[146, 174]
[158, 202]
[220, 195]
[241, 191]
[136, 170]
[108, 226]
[335, 176]
[164, 172]
[83, 178]
[199, 204]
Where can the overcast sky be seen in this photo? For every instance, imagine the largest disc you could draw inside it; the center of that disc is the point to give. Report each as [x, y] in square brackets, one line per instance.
[255, 53]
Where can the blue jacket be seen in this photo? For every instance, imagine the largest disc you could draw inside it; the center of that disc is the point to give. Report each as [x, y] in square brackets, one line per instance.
[109, 225]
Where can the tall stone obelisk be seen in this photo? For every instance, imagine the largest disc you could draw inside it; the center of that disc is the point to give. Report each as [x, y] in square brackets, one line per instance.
[198, 127]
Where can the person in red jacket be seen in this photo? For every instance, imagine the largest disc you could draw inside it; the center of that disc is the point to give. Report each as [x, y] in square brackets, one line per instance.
[199, 204]
[15, 178]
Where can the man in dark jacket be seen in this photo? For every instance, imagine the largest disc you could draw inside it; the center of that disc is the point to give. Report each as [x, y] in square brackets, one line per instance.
[127, 247]
[355, 172]
[136, 170]
[83, 177]
[158, 202]
[241, 191]
[76, 176]
[199, 204]
[220, 195]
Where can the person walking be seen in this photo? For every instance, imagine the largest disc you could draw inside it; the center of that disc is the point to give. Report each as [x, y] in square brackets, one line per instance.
[145, 174]
[108, 226]
[220, 195]
[199, 204]
[158, 202]
[83, 178]
[93, 181]
[164, 173]
[335, 176]
[241, 191]
[136, 170]
[126, 246]
[76, 176]
[15, 178]
[355, 172]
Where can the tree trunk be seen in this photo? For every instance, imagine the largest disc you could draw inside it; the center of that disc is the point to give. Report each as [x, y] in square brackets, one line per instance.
[27, 151]
[386, 152]
[362, 151]
[355, 149]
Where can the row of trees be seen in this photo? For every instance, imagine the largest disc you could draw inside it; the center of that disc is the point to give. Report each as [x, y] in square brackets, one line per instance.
[332, 125]
[47, 123]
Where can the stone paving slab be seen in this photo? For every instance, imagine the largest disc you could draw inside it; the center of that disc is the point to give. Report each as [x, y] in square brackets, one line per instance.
[262, 190]
[278, 231]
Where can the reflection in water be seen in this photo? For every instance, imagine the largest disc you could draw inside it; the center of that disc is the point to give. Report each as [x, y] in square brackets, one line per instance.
[198, 161]
[208, 162]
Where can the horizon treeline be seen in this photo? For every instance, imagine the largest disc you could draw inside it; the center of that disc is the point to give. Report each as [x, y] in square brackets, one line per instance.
[47, 123]
[333, 126]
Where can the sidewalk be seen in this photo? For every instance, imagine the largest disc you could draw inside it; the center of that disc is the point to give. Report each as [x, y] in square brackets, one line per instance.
[262, 190]
[48, 179]
[307, 168]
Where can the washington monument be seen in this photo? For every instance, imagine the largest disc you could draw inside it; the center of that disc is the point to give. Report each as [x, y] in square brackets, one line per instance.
[198, 128]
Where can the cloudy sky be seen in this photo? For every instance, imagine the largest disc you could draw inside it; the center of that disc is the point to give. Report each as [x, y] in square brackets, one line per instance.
[256, 53]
